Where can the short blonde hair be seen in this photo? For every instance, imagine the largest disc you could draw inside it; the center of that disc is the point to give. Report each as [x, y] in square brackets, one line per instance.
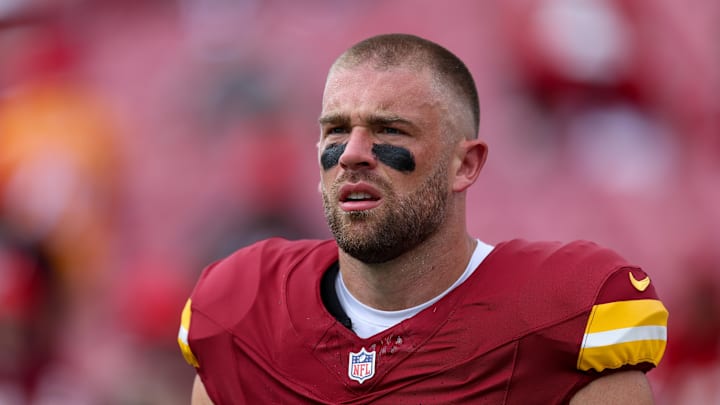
[389, 51]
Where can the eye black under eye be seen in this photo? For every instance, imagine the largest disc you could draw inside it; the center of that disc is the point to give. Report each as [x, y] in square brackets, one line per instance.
[331, 155]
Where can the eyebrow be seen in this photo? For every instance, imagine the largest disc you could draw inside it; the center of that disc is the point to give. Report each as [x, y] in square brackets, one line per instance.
[334, 119]
[376, 120]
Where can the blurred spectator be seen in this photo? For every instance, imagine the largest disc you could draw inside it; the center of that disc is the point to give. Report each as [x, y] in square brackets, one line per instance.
[27, 322]
[58, 164]
[601, 96]
[692, 365]
[58, 190]
[33, 369]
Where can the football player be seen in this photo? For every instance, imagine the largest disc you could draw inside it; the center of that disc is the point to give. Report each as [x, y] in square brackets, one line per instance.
[403, 306]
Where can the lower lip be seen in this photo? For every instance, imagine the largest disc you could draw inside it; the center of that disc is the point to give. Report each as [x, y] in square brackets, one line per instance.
[349, 206]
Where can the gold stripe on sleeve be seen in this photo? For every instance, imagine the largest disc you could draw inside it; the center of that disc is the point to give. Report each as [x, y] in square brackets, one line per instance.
[625, 314]
[624, 333]
[183, 335]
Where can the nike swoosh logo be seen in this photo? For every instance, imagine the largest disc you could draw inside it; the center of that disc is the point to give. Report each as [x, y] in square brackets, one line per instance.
[640, 285]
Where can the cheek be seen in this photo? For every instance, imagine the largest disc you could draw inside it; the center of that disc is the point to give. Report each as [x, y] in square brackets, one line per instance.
[328, 181]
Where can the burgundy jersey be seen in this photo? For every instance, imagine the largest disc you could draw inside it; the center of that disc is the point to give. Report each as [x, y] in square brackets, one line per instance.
[534, 323]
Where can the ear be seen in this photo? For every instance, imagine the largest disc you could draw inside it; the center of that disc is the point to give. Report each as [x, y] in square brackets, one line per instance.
[469, 161]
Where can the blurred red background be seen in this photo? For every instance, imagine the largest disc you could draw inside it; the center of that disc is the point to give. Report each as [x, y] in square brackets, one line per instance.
[141, 140]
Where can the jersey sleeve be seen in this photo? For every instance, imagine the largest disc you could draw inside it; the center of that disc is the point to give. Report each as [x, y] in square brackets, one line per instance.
[627, 326]
[183, 333]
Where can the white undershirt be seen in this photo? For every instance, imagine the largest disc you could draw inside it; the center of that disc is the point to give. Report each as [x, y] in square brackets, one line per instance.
[367, 321]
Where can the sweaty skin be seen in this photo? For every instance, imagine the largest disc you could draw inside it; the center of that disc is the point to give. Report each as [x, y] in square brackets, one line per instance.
[396, 157]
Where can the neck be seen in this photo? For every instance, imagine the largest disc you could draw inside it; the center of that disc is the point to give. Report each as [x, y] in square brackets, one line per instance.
[412, 278]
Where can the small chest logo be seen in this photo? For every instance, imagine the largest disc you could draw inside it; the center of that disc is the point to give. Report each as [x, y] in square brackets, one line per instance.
[361, 366]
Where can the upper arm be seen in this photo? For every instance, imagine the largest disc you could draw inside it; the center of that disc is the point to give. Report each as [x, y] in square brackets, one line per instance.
[626, 327]
[624, 387]
[627, 330]
[199, 395]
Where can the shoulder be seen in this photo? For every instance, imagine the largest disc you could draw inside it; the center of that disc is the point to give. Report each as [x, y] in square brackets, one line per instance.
[572, 272]
[227, 287]
[553, 281]
[561, 257]
[623, 321]
[627, 324]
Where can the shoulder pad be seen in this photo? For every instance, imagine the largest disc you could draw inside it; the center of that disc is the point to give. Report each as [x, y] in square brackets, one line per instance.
[229, 288]
[552, 281]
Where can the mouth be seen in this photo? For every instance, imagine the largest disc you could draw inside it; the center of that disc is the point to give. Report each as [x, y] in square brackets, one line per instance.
[359, 197]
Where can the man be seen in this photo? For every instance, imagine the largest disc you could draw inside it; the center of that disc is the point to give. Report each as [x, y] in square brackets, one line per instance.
[404, 306]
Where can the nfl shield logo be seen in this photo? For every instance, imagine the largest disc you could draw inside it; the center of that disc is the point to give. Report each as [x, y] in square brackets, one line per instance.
[361, 365]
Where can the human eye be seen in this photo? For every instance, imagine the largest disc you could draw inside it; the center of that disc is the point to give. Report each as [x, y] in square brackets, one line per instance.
[390, 125]
[335, 130]
[391, 131]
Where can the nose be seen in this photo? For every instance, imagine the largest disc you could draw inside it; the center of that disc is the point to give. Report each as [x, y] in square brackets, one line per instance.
[358, 151]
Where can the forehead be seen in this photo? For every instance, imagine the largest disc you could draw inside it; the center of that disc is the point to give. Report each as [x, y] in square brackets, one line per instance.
[362, 90]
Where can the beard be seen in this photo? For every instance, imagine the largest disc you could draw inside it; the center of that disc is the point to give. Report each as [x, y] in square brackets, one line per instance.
[397, 226]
